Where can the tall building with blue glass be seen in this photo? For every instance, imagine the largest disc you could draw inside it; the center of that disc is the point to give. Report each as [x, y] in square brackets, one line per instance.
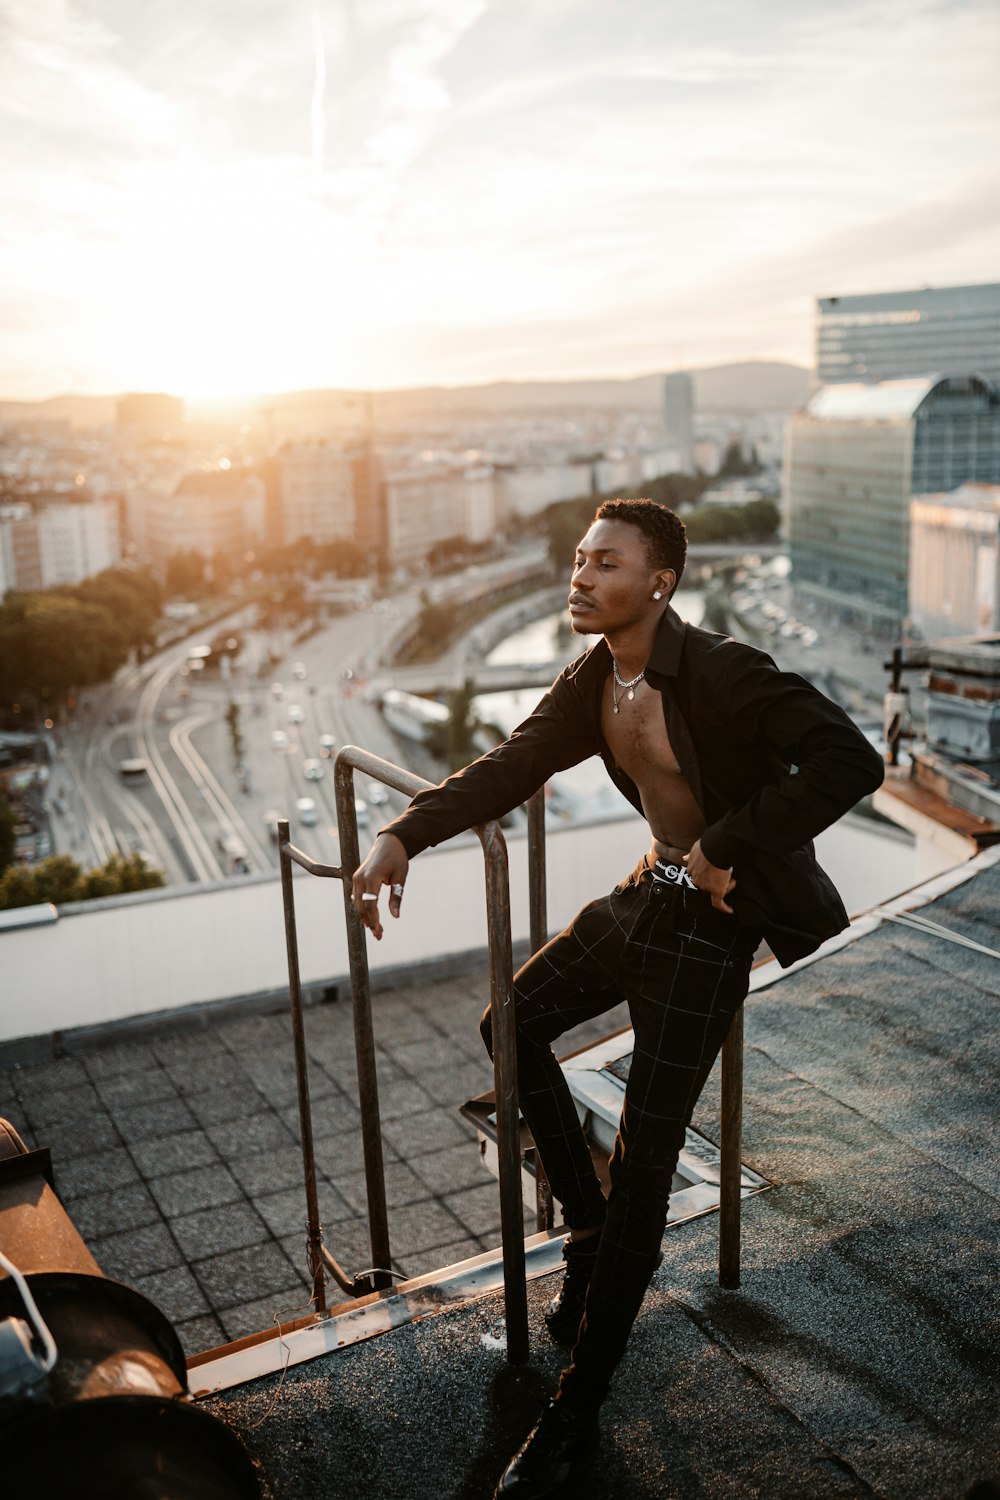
[854, 458]
[952, 330]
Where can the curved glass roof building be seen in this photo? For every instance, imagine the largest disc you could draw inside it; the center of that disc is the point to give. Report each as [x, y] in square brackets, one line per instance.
[853, 459]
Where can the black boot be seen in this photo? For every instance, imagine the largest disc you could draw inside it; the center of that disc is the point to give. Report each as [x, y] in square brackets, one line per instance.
[553, 1456]
[563, 1314]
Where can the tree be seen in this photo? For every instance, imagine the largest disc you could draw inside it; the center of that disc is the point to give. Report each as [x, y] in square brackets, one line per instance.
[59, 879]
[132, 596]
[51, 642]
[433, 630]
[235, 730]
[757, 521]
[567, 520]
[117, 876]
[8, 834]
[735, 465]
[185, 573]
[565, 524]
[343, 558]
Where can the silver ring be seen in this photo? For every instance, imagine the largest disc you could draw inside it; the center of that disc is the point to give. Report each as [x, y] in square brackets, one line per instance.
[370, 896]
[397, 890]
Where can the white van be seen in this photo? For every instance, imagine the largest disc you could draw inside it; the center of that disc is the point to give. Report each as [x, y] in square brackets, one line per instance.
[305, 811]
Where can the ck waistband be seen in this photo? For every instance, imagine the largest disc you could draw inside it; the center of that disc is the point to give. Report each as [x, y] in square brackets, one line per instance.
[671, 874]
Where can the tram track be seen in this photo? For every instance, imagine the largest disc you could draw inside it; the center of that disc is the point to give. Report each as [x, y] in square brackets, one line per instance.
[210, 788]
[202, 857]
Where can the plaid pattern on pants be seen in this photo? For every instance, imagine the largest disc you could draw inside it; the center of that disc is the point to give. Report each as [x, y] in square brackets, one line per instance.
[684, 970]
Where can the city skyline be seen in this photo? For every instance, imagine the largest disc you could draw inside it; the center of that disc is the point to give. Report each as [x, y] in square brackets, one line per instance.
[452, 193]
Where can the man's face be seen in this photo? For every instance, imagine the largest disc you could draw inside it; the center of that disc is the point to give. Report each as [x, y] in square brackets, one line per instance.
[613, 580]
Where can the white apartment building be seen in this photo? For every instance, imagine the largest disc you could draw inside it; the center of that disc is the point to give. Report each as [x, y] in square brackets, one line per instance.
[526, 489]
[311, 493]
[56, 544]
[650, 463]
[12, 518]
[955, 561]
[613, 472]
[210, 511]
[427, 505]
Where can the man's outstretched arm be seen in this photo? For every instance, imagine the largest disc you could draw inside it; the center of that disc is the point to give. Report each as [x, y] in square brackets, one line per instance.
[555, 735]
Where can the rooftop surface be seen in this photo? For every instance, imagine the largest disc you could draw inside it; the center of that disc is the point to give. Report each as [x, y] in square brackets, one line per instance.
[859, 1356]
[857, 1359]
[177, 1154]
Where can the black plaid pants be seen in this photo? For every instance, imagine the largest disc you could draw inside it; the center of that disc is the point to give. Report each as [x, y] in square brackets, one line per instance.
[683, 968]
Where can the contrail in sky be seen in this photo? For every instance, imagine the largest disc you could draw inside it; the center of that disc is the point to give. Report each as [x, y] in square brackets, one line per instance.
[317, 112]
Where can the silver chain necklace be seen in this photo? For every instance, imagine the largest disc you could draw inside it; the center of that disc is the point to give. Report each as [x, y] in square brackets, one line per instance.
[627, 688]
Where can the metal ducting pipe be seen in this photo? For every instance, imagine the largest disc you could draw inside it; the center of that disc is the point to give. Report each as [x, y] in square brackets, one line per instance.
[93, 1382]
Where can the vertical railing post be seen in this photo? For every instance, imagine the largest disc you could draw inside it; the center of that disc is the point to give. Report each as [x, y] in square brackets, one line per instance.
[538, 917]
[731, 1151]
[364, 1036]
[537, 890]
[315, 1238]
[505, 1085]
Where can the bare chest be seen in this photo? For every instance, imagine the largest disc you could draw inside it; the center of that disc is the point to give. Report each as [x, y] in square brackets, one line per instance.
[637, 734]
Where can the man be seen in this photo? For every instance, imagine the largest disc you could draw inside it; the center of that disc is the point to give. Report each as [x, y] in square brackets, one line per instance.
[736, 766]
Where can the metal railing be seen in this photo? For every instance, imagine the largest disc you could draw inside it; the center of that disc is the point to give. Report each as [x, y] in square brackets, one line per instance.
[731, 1104]
[379, 1277]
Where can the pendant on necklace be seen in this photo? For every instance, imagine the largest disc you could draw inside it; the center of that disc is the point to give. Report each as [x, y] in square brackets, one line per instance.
[631, 694]
[617, 709]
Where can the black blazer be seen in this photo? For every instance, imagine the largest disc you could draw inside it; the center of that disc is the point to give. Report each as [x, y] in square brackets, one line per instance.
[769, 759]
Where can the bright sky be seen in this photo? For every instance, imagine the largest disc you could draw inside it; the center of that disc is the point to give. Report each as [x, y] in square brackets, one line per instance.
[206, 196]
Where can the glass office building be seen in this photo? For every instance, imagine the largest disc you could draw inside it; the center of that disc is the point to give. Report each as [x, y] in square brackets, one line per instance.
[890, 335]
[854, 458]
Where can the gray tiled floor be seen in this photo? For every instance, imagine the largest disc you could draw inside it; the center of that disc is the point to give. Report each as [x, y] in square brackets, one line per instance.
[177, 1156]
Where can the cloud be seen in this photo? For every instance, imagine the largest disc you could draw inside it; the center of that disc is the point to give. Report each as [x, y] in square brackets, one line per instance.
[550, 183]
[59, 76]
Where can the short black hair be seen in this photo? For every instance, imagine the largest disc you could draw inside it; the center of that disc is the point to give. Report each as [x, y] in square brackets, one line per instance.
[665, 533]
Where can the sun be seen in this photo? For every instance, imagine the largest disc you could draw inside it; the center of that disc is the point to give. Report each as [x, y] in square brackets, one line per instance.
[236, 284]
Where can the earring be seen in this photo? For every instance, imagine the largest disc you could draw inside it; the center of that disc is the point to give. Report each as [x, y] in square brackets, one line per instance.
[657, 594]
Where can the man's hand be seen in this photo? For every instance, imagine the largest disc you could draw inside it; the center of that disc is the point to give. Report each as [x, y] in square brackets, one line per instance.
[707, 877]
[386, 864]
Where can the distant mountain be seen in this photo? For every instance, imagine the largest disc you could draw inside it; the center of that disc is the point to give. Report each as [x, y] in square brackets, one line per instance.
[753, 386]
[757, 385]
[79, 411]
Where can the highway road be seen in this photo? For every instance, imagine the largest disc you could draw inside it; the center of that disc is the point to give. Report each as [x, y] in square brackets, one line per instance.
[193, 807]
[200, 805]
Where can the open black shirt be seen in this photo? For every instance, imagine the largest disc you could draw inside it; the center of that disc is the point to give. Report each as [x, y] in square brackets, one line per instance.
[771, 763]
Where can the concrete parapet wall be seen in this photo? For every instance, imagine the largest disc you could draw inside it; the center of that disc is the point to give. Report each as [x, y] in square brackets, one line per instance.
[107, 961]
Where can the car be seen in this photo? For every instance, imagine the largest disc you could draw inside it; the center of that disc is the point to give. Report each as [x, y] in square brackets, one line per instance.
[361, 812]
[279, 740]
[305, 811]
[376, 794]
[278, 692]
[327, 745]
[299, 670]
[312, 770]
[295, 714]
[271, 819]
